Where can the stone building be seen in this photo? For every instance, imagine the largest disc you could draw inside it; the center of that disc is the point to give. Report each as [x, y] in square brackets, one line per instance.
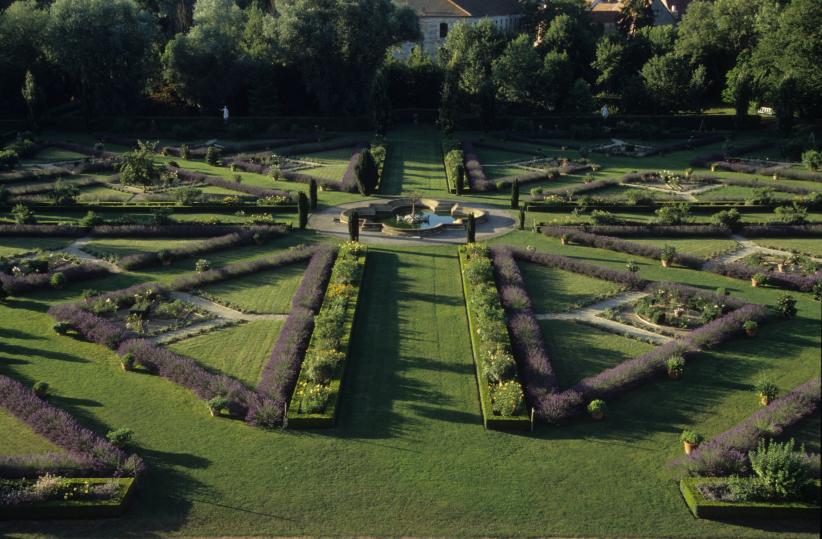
[438, 17]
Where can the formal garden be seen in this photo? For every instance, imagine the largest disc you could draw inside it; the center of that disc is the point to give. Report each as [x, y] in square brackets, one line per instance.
[193, 334]
[327, 268]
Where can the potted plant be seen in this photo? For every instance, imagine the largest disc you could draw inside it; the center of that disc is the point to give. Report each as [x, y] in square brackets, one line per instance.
[780, 266]
[258, 238]
[202, 265]
[62, 328]
[217, 405]
[767, 390]
[758, 279]
[565, 239]
[690, 440]
[41, 389]
[750, 327]
[667, 255]
[676, 367]
[597, 409]
[127, 361]
[632, 266]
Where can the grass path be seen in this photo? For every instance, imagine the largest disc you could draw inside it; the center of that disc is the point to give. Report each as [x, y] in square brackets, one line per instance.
[414, 164]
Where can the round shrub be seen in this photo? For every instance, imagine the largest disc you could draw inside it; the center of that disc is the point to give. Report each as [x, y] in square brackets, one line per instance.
[507, 398]
[41, 389]
[119, 437]
[218, 405]
[58, 280]
[597, 408]
[786, 306]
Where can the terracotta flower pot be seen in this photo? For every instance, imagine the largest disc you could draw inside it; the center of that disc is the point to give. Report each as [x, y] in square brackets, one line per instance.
[750, 332]
[780, 268]
[674, 374]
[125, 367]
[563, 241]
[689, 447]
[214, 413]
[665, 263]
[764, 400]
[754, 283]
[597, 415]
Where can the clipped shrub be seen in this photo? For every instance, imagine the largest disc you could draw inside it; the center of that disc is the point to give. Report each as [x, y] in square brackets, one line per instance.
[766, 389]
[786, 306]
[41, 389]
[119, 437]
[219, 404]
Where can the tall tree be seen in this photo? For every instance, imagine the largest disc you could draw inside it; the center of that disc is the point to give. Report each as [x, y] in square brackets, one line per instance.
[516, 72]
[105, 48]
[207, 66]
[635, 14]
[340, 45]
[380, 104]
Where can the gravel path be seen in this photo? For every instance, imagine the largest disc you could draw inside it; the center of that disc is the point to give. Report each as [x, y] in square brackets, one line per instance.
[191, 331]
[749, 247]
[222, 311]
[589, 315]
[326, 221]
[76, 249]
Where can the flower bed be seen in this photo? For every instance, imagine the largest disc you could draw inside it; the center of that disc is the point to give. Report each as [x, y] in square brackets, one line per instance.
[490, 342]
[317, 394]
[87, 452]
[537, 374]
[282, 370]
[702, 507]
[65, 498]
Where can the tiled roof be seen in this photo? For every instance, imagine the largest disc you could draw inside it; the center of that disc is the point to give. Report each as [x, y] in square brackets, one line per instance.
[462, 8]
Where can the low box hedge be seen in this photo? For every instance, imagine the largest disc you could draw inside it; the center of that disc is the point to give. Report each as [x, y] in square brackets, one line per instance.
[64, 509]
[489, 420]
[328, 418]
[710, 509]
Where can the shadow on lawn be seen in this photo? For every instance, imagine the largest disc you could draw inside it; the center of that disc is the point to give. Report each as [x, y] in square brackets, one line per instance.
[381, 400]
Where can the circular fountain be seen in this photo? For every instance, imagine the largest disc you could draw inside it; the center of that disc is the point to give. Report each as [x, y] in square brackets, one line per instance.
[413, 216]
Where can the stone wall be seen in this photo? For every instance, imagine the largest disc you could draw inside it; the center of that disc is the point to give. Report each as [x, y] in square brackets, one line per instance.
[430, 29]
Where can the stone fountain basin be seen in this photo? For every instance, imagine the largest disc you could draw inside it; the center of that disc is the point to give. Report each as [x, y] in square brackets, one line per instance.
[371, 214]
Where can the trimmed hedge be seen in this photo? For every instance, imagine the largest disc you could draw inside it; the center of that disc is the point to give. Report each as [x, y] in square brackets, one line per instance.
[39, 281]
[216, 181]
[235, 239]
[91, 453]
[69, 509]
[537, 374]
[328, 417]
[280, 374]
[478, 347]
[112, 231]
[477, 181]
[701, 507]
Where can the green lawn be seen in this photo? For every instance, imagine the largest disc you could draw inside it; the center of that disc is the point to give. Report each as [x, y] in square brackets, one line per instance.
[12, 246]
[414, 164]
[266, 292]
[406, 454]
[334, 163]
[119, 248]
[554, 290]
[578, 350]
[53, 155]
[239, 351]
[19, 439]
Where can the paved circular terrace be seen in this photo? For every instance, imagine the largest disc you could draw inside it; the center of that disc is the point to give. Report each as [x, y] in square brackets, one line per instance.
[326, 221]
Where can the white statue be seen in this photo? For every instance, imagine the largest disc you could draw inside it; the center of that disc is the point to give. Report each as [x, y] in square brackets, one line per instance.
[604, 111]
[225, 114]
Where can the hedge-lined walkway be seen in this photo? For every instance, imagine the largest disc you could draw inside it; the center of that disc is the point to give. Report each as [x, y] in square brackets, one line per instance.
[413, 370]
